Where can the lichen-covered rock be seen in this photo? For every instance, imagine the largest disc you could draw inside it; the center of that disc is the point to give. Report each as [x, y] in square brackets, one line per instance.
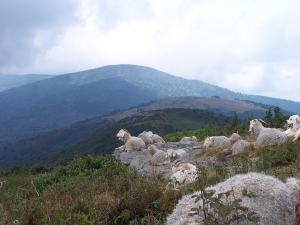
[274, 203]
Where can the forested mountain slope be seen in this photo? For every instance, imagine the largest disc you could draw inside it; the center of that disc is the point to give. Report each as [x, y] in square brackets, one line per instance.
[62, 100]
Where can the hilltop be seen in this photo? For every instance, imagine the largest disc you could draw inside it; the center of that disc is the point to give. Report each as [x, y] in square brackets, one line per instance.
[60, 101]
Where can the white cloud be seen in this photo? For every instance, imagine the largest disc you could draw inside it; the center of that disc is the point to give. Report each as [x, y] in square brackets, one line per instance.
[247, 79]
[246, 46]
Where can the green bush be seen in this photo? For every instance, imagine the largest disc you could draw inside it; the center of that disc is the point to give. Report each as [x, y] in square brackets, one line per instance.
[102, 167]
[278, 155]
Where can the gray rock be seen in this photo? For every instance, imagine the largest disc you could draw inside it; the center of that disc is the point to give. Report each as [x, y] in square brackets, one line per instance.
[140, 159]
[127, 157]
[141, 165]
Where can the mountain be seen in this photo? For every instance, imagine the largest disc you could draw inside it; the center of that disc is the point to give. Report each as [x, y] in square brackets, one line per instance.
[47, 106]
[105, 141]
[97, 135]
[59, 101]
[11, 81]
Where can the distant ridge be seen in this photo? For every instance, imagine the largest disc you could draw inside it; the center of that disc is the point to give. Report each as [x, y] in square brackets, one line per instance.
[59, 101]
[86, 137]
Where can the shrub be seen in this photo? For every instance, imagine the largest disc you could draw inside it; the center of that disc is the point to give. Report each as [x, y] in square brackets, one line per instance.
[277, 156]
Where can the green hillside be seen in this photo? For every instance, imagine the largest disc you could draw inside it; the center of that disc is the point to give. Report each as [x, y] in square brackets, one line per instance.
[62, 100]
[104, 141]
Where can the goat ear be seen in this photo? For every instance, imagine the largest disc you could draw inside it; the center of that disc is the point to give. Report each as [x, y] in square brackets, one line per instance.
[174, 154]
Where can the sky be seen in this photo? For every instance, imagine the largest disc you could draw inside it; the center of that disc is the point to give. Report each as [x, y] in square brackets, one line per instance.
[249, 46]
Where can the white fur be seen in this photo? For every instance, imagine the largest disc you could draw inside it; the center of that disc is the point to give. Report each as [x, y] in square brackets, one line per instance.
[192, 138]
[184, 173]
[235, 137]
[293, 124]
[150, 138]
[297, 135]
[215, 142]
[180, 165]
[156, 138]
[266, 136]
[238, 146]
[177, 154]
[130, 142]
[182, 177]
[145, 136]
[158, 157]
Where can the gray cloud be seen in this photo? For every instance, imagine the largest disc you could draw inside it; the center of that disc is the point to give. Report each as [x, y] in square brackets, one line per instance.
[24, 22]
[246, 46]
[113, 13]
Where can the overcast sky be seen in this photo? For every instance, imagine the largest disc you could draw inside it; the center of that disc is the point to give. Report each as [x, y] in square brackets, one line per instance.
[252, 47]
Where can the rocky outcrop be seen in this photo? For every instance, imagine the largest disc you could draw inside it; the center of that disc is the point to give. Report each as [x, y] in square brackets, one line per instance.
[140, 159]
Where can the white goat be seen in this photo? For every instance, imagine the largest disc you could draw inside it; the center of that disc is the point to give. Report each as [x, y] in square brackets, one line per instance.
[274, 203]
[182, 177]
[266, 136]
[235, 137]
[130, 142]
[216, 142]
[238, 147]
[192, 138]
[150, 138]
[145, 136]
[177, 154]
[156, 138]
[158, 157]
[184, 173]
[180, 165]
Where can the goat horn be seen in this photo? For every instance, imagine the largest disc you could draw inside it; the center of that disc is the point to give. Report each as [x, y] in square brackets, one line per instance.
[178, 163]
[264, 121]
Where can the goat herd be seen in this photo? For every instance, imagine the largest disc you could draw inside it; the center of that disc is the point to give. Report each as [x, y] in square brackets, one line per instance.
[275, 202]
